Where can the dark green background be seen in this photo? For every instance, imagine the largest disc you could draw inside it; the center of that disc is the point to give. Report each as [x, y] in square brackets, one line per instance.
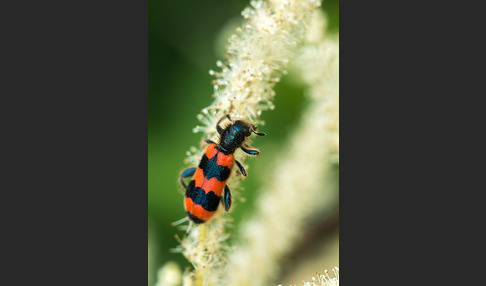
[182, 47]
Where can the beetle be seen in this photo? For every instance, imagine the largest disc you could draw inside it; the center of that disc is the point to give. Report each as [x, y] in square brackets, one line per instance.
[204, 191]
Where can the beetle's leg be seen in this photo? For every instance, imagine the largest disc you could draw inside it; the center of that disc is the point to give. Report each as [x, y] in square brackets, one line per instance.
[226, 200]
[187, 173]
[254, 128]
[242, 170]
[210, 142]
[250, 151]
[218, 128]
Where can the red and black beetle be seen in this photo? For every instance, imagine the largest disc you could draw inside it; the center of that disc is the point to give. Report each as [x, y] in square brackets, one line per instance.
[203, 194]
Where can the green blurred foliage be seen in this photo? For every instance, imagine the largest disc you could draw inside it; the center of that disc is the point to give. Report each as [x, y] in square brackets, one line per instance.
[182, 48]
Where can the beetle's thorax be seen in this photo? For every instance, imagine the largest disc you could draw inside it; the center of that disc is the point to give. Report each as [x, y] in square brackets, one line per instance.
[234, 135]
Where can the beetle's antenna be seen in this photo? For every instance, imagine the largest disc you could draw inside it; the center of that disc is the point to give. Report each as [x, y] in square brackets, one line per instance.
[259, 133]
